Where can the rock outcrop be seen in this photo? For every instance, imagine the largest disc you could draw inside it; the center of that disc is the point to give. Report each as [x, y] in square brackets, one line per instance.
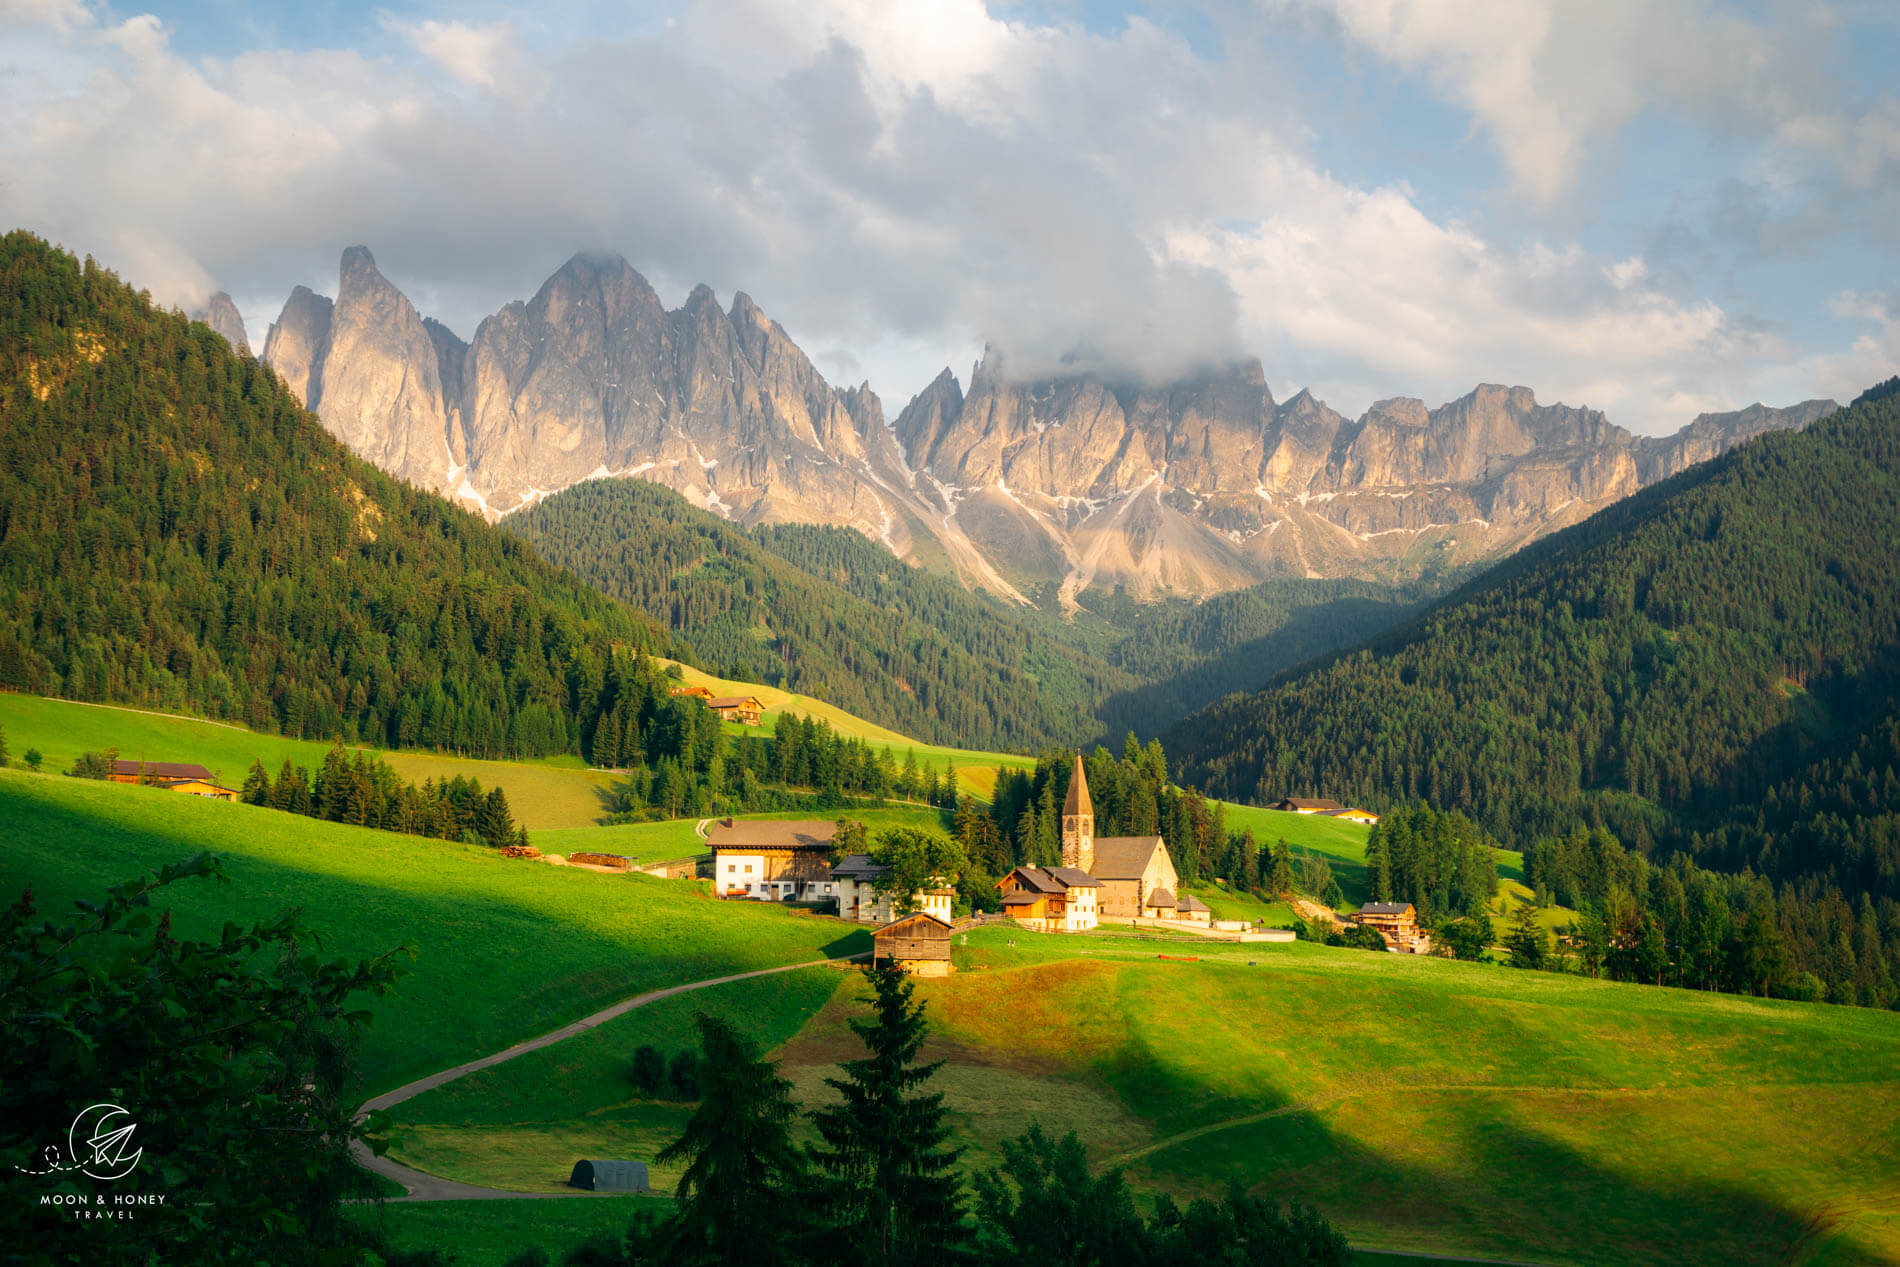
[1188, 488]
[222, 316]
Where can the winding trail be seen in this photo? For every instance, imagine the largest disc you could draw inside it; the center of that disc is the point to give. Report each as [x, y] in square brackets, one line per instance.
[427, 1187]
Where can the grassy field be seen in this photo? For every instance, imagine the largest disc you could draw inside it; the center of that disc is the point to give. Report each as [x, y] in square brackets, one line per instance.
[1428, 1105]
[523, 1125]
[1420, 1104]
[506, 949]
[975, 770]
[558, 792]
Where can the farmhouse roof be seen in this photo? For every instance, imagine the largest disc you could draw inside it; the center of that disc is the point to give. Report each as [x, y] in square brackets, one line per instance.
[1124, 857]
[1052, 879]
[161, 770]
[857, 866]
[743, 834]
[1020, 898]
[1191, 903]
[733, 701]
[1314, 803]
[1077, 801]
[1386, 908]
[1034, 878]
[1160, 898]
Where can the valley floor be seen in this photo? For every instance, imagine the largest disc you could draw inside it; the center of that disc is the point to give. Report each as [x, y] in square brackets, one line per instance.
[1422, 1105]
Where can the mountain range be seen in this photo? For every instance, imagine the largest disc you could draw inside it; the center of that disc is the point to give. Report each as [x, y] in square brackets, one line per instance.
[1027, 489]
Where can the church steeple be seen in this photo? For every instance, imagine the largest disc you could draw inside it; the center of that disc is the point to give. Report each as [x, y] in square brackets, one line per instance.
[1078, 822]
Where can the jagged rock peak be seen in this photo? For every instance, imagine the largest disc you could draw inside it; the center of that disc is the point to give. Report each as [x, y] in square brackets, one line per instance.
[221, 314]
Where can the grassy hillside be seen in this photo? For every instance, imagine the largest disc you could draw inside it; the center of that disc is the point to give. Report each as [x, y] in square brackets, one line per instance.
[1421, 1104]
[552, 792]
[1430, 1105]
[506, 949]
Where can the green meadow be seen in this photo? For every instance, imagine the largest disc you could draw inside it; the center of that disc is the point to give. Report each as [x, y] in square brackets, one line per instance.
[1436, 1106]
[557, 792]
[1422, 1105]
[505, 949]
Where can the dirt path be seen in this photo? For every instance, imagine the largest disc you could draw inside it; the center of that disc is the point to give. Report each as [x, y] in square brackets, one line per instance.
[426, 1187]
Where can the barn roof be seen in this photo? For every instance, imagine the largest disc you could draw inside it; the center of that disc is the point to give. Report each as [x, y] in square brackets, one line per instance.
[1123, 857]
[908, 921]
[1385, 908]
[1191, 903]
[1077, 801]
[734, 701]
[162, 770]
[739, 834]
[1020, 898]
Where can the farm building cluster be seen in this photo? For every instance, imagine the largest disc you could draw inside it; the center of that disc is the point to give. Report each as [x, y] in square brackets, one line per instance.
[1128, 878]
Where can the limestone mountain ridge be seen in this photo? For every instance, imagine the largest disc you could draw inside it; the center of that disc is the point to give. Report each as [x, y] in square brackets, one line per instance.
[1026, 489]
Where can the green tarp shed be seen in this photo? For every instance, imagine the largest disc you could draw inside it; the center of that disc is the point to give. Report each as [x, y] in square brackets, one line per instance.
[609, 1176]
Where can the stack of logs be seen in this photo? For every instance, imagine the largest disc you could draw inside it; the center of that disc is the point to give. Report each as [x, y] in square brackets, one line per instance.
[619, 862]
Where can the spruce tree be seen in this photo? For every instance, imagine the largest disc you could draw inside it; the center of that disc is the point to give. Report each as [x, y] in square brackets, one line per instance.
[737, 1197]
[887, 1181]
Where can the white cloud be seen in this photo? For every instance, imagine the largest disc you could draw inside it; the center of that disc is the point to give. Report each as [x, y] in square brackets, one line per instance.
[472, 55]
[896, 183]
[1551, 79]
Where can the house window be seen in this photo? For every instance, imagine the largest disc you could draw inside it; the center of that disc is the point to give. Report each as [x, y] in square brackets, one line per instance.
[748, 868]
[730, 868]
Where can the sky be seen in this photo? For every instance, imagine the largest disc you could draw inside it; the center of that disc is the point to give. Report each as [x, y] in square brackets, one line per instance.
[1652, 207]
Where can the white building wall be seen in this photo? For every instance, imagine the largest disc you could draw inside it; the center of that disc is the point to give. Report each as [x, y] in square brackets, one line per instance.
[742, 873]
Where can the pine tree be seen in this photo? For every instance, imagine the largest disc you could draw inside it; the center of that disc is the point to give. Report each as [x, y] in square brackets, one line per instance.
[737, 1196]
[888, 1183]
[257, 789]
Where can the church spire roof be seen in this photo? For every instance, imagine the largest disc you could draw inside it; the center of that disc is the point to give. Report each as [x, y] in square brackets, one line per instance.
[1078, 798]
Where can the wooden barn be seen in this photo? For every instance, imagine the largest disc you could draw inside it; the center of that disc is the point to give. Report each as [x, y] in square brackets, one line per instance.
[747, 710]
[1307, 805]
[918, 944]
[158, 772]
[201, 787]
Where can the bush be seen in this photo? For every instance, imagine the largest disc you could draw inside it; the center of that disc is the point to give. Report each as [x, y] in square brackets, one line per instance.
[649, 1069]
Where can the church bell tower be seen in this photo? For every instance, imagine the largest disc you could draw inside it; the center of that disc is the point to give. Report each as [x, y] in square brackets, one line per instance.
[1078, 823]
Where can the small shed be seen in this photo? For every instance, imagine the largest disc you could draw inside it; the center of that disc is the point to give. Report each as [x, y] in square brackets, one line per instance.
[918, 944]
[609, 1176]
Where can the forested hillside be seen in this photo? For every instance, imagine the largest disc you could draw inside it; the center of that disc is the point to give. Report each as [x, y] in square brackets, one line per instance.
[1191, 654]
[1711, 662]
[176, 531]
[850, 623]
